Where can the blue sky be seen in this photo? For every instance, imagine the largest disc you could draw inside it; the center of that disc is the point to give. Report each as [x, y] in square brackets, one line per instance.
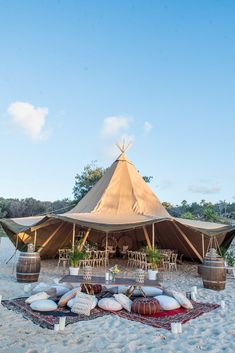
[77, 76]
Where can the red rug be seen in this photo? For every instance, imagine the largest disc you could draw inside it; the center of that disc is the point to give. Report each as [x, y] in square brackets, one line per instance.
[164, 319]
[159, 320]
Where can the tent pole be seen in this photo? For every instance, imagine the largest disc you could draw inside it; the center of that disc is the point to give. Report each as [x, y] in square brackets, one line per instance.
[153, 236]
[203, 245]
[188, 242]
[35, 239]
[50, 237]
[85, 239]
[147, 237]
[106, 249]
[73, 236]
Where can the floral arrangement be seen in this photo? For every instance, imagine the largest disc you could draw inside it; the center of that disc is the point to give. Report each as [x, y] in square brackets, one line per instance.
[114, 270]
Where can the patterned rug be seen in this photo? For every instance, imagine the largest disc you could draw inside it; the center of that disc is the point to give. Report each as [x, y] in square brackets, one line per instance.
[159, 320]
[165, 318]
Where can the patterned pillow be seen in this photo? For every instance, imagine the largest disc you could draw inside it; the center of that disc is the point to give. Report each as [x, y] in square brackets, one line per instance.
[182, 300]
[67, 296]
[83, 304]
[92, 288]
[124, 301]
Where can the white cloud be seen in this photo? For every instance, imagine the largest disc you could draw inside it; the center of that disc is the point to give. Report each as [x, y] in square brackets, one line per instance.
[147, 127]
[31, 119]
[205, 190]
[112, 125]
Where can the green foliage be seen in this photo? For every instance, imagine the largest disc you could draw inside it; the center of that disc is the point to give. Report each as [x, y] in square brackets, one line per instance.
[188, 215]
[76, 256]
[228, 256]
[154, 257]
[87, 179]
[209, 213]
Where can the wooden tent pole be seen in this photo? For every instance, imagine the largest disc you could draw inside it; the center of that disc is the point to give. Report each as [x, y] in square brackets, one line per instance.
[35, 239]
[203, 245]
[50, 237]
[85, 239]
[188, 242]
[147, 237]
[73, 236]
[106, 249]
[153, 236]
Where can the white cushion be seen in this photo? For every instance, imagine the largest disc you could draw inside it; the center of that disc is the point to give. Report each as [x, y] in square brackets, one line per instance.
[122, 289]
[60, 290]
[38, 296]
[167, 303]
[182, 300]
[67, 296]
[43, 305]
[109, 304]
[124, 301]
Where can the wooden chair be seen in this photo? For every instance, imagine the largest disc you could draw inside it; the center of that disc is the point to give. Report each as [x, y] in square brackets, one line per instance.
[63, 257]
[173, 262]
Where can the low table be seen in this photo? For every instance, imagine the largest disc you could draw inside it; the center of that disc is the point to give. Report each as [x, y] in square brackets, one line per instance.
[129, 282]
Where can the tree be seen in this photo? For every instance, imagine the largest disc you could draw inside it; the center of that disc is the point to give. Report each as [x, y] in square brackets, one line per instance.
[87, 179]
[188, 215]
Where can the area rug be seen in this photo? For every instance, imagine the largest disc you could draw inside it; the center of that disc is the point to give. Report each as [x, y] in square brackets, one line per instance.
[48, 319]
[159, 320]
[164, 319]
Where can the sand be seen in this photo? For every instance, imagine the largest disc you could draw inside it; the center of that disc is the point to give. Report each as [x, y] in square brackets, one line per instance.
[213, 332]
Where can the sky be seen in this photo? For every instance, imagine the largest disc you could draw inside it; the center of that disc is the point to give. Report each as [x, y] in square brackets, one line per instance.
[78, 76]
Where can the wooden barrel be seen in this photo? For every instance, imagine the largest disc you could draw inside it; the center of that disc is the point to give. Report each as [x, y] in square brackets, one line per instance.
[213, 273]
[28, 267]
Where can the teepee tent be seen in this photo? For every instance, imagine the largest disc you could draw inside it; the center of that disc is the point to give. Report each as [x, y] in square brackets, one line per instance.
[122, 205]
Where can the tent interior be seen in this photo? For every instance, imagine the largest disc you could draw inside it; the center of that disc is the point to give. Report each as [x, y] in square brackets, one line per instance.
[122, 206]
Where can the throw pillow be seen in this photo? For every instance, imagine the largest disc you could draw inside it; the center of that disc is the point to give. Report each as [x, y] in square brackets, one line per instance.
[167, 303]
[67, 296]
[124, 301]
[43, 305]
[109, 304]
[182, 300]
[38, 296]
[83, 304]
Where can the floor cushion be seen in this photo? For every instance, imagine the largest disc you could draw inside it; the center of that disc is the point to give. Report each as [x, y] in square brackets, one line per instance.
[67, 296]
[92, 288]
[60, 290]
[38, 296]
[145, 306]
[83, 304]
[43, 305]
[109, 304]
[124, 301]
[167, 303]
[40, 287]
[72, 301]
[182, 300]
[148, 291]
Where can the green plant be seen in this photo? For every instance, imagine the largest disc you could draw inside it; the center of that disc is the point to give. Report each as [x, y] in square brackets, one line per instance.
[228, 256]
[154, 257]
[76, 256]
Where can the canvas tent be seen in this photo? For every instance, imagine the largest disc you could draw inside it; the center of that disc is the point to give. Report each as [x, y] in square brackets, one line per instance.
[123, 206]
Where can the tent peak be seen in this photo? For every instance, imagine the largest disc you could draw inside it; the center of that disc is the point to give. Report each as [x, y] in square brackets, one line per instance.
[124, 147]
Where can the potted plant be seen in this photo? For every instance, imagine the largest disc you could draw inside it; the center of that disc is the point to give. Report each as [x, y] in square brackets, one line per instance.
[75, 257]
[154, 258]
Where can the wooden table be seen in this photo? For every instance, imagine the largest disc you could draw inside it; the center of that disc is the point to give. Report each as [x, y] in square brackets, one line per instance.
[129, 282]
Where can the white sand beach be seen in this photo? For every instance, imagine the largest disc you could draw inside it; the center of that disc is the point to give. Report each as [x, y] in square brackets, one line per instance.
[212, 332]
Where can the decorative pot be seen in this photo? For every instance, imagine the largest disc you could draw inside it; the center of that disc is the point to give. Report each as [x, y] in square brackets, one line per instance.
[152, 275]
[73, 271]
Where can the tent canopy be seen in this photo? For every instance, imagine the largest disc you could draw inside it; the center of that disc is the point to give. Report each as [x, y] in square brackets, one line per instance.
[121, 201]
